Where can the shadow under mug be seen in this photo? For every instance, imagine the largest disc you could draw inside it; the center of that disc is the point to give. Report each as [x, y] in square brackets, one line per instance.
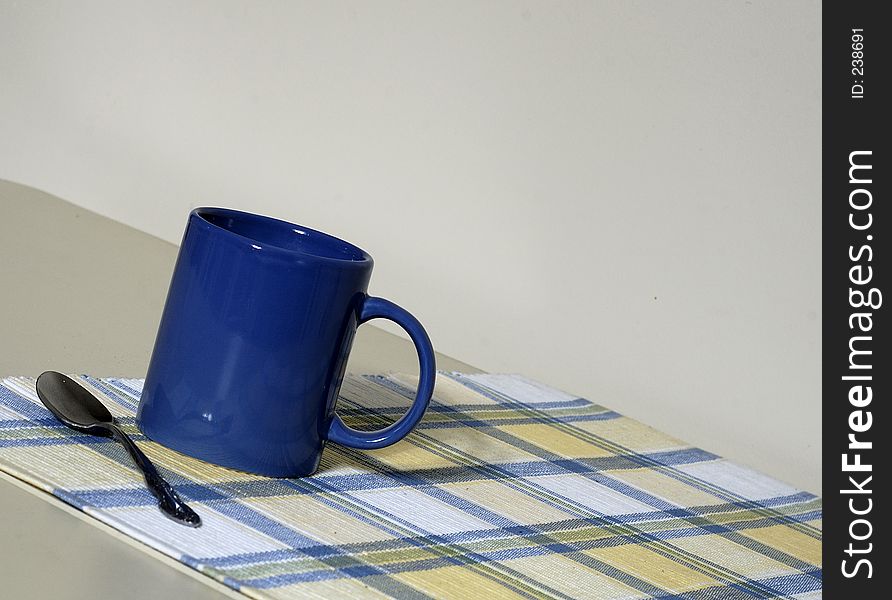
[253, 343]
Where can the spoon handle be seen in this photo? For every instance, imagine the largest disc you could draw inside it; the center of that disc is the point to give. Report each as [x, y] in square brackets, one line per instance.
[168, 500]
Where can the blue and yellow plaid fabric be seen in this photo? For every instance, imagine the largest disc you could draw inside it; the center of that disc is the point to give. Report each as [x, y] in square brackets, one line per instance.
[507, 489]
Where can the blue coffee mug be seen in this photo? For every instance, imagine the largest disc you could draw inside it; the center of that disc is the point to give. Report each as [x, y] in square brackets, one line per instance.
[253, 343]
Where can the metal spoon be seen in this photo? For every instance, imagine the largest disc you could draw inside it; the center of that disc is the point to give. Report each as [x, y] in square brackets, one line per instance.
[77, 408]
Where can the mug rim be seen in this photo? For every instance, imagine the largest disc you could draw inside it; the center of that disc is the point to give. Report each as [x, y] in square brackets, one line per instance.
[200, 212]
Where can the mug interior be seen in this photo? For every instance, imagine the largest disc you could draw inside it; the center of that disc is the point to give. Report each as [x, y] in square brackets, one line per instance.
[266, 231]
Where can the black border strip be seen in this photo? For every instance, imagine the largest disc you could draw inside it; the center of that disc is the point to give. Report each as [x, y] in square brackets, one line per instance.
[856, 373]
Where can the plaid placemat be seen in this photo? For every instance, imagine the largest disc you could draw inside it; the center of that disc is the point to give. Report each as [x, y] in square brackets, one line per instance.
[507, 488]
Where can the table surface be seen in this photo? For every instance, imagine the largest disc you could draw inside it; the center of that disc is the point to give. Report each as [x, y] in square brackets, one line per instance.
[83, 294]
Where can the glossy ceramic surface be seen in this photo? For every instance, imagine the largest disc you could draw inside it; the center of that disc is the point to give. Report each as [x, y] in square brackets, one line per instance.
[253, 343]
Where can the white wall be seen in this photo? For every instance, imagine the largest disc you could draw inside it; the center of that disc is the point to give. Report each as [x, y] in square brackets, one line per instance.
[618, 198]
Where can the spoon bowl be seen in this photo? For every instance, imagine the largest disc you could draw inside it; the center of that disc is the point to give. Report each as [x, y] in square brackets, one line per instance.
[73, 404]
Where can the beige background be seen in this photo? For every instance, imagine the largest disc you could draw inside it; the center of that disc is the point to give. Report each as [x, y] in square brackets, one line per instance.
[618, 198]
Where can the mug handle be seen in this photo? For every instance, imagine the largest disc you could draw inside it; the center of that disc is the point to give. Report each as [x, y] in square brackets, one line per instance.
[379, 308]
